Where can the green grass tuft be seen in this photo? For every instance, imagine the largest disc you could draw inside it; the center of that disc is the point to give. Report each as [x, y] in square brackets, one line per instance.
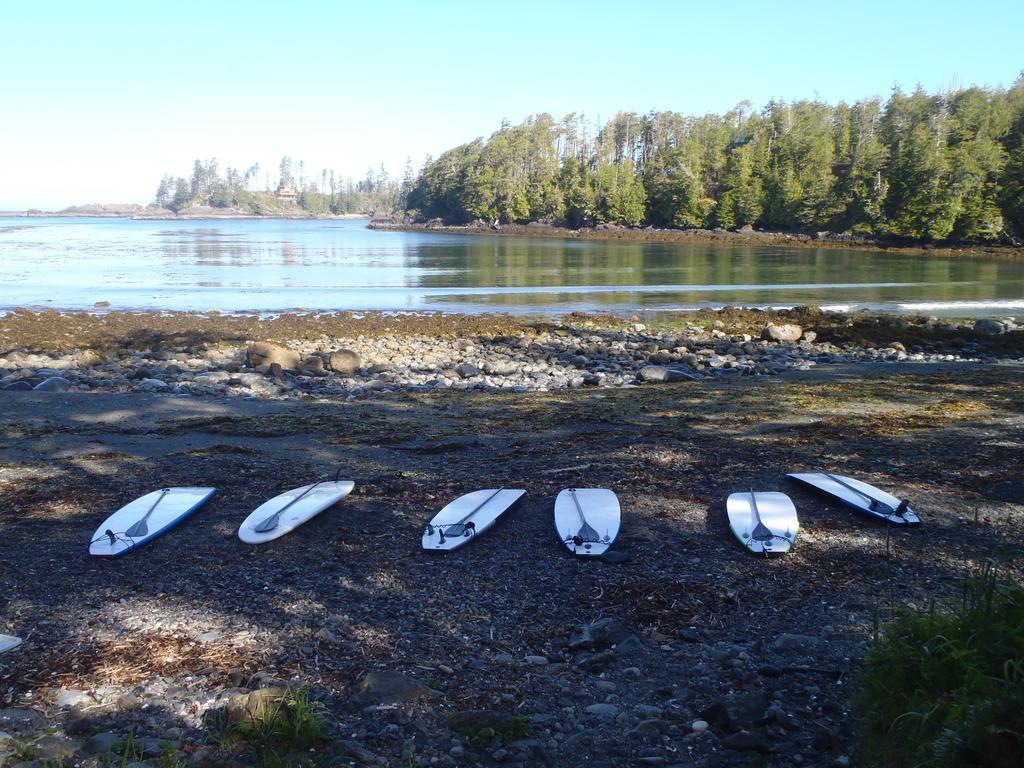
[947, 689]
[482, 738]
[299, 722]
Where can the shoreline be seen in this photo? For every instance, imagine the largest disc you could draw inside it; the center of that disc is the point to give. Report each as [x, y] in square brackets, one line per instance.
[706, 236]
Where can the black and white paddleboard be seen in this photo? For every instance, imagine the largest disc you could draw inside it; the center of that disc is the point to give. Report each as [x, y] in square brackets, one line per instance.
[465, 518]
[764, 522]
[861, 496]
[146, 518]
[587, 520]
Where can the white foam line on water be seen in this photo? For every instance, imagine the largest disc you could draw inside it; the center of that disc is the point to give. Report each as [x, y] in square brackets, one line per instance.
[947, 305]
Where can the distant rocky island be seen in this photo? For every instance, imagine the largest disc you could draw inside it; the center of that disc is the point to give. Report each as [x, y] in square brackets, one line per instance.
[136, 211]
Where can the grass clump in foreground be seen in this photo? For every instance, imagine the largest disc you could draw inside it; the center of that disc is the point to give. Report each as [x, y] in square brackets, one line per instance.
[947, 689]
[517, 728]
[278, 724]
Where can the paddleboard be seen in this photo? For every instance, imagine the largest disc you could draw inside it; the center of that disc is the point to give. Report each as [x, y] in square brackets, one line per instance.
[287, 511]
[145, 519]
[7, 642]
[587, 520]
[765, 522]
[861, 496]
[465, 518]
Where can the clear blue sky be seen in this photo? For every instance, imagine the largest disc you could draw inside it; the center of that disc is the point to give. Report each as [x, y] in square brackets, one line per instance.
[100, 98]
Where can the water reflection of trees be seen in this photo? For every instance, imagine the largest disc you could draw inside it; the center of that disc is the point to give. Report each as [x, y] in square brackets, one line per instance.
[746, 271]
[704, 274]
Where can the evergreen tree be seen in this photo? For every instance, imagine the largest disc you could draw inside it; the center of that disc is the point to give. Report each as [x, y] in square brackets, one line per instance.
[1011, 182]
[740, 204]
[921, 202]
[182, 195]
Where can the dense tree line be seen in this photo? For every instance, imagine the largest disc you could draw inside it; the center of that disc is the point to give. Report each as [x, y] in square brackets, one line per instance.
[319, 194]
[944, 166]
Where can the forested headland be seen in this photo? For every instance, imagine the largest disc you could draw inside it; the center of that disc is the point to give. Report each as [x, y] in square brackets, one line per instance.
[255, 191]
[919, 166]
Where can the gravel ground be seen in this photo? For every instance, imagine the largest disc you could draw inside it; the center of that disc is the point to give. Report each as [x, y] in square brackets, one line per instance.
[697, 653]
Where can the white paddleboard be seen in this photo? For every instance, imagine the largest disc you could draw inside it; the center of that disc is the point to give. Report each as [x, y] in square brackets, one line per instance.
[861, 496]
[587, 520]
[160, 511]
[7, 642]
[286, 512]
[769, 526]
[465, 518]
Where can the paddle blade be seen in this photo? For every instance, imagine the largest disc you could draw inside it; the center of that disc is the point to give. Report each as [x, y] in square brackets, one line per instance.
[138, 530]
[268, 525]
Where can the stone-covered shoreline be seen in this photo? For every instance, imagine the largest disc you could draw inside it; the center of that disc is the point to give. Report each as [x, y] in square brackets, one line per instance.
[353, 356]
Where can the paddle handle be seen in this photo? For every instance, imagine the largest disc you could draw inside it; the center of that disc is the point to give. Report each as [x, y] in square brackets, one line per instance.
[141, 524]
[847, 486]
[479, 506]
[579, 509]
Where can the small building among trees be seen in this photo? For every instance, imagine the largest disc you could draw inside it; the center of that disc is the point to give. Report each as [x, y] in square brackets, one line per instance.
[286, 192]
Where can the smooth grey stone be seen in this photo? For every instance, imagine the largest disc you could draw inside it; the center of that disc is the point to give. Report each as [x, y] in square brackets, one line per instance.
[101, 743]
[53, 384]
[745, 741]
[390, 688]
[661, 374]
[264, 353]
[344, 361]
[788, 643]
[602, 710]
[782, 332]
[599, 634]
[988, 327]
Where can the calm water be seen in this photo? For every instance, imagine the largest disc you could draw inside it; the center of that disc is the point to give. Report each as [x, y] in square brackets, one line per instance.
[277, 265]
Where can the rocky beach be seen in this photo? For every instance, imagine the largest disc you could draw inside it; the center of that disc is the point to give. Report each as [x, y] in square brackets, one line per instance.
[679, 649]
[358, 355]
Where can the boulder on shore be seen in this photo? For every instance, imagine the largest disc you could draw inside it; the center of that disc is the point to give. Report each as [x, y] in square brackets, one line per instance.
[53, 384]
[661, 374]
[260, 707]
[265, 353]
[390, 688]
[344, 361]
[783, 332]
[988, 327]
